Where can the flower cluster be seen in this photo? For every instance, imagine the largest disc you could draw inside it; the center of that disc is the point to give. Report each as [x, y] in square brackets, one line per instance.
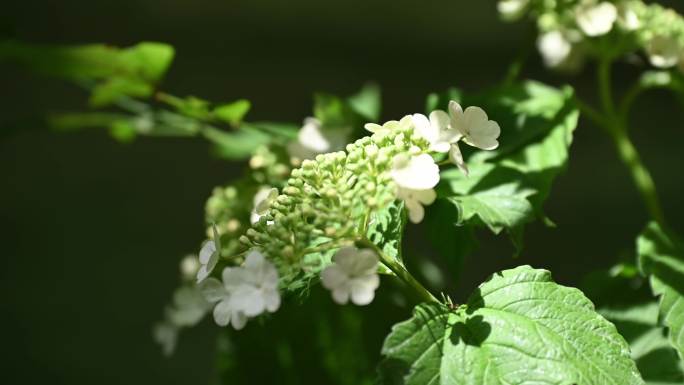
[326, 205]
[569, 30]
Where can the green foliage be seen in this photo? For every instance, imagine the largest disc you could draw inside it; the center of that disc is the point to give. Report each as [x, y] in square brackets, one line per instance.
[110, 72]
[507, 187]
[661, 257]
[386, 229]
[656, 360]
[518, 327]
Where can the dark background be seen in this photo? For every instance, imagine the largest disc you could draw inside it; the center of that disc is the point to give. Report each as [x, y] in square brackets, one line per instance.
[92, 230]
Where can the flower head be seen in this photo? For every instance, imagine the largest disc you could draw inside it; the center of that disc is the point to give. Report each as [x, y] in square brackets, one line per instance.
[436, 130]
[245, 292]
[262, 201]
[596, 19]
[208, 256]
[475, 127]
[353, 274]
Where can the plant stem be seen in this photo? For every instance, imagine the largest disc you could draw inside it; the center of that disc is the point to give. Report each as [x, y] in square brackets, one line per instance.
[615, 125]
[400, 271]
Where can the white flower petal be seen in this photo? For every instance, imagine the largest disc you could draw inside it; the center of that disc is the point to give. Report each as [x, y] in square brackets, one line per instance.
[341, 295]
[415, 210]
[424, 128]
[457, 158]
[426, 197]
[234, 278]
[202, 273]
[272, 300]
[213, 290]
[333, 276]
[208, 249]
[222, 313]
[311, 136]
[249, 300]
[663, 51]
[238, 321]
[372, 127]
[363, 289]
[418, 172]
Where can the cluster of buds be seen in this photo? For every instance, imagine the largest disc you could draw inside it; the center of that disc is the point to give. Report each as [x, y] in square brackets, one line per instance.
[569, 30]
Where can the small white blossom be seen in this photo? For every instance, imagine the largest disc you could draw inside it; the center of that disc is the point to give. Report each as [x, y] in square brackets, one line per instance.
[415, 200]
[189, 266]
[512, 9]
[663, 51]
[314, 139]
[596, 19]
[475, 127]
[415, 172]
[262, 202]
[554, 48]
[353, 274]
[208, 256]
[436, 130]
[188, 308]
[245, 292]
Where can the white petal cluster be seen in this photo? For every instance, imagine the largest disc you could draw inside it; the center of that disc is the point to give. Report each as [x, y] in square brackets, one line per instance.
[353, 275]
[209, 256]
[262, 201]
[314, 139]
[245, 292]
[554, 47]
[596, 19]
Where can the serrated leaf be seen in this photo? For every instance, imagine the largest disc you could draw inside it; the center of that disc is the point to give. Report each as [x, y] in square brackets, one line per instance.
[519, 327]
[661, 257]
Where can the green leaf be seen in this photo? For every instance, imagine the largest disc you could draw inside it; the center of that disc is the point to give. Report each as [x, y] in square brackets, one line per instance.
[190, 106]
[282, 130]
[661, 257]
[519, 327]
[386, 229]
[235, 145]
[656, 360]
[111, 72]
[366, 102]
[233, 113]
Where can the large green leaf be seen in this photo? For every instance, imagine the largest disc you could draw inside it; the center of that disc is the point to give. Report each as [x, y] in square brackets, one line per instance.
[656, 360]
[519, 327]
[661, 257]
[235, 145]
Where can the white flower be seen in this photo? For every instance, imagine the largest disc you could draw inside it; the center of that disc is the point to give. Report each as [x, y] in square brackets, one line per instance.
[475, 127]
[415, 172]
[262, 202]
[436, 130]
[208, 256]
[414, 201]
[389, 126]
[596, 19]
[554, 48]
[246, 291]
[314, 139]
[456, 158]
[512, 9]
[663, 51]
[353, 274]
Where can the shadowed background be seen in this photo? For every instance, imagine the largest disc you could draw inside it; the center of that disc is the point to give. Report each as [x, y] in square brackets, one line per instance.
[92, 230]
